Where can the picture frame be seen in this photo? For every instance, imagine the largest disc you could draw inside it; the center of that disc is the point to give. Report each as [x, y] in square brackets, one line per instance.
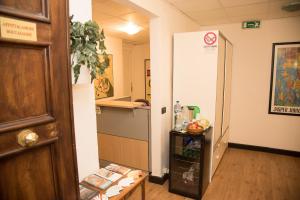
[147, 79]
[284, 96]
[104, 83]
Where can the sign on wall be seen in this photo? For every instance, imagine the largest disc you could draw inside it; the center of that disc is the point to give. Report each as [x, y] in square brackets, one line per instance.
[251, 24]
[17, 29]
[285, 79]
[210, 40]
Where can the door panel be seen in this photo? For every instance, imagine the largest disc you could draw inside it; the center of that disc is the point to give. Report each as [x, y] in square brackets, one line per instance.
[25, 172]
[33, 9]
[227, 88]
[23, 89]
[220, 90]
[37, 145]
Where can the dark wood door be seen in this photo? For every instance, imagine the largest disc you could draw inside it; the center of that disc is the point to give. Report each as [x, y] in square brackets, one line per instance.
[37, 145]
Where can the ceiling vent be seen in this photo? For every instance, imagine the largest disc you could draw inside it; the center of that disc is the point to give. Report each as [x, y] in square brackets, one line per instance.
[291, 6]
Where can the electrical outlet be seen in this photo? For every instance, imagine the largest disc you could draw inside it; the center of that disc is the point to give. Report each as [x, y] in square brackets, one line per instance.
[163, 110]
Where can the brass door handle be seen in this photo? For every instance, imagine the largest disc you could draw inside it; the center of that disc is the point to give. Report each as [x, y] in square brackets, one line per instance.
[27, 138]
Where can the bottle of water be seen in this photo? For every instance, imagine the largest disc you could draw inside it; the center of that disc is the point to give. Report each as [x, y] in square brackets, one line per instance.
[177, 107]
[178, 116]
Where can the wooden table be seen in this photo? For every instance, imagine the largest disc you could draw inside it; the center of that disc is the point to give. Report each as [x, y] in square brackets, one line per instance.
[127, 191]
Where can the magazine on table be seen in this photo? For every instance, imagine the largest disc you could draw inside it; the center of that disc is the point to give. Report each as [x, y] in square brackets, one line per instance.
[97, 181]
[87, 193]
[118, 169]
[107, 174]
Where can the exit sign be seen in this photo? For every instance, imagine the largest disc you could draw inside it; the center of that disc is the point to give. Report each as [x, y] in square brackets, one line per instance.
[251, 24]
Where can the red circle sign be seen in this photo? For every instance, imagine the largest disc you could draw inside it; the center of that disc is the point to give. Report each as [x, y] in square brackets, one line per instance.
[210, 38]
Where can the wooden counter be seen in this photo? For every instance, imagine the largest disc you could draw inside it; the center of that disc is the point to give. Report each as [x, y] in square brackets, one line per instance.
[119, 104]
[124, 133]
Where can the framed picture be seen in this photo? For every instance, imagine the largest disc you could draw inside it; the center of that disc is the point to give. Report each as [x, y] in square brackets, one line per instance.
[147, 80]
[104, 83]
[285, 79]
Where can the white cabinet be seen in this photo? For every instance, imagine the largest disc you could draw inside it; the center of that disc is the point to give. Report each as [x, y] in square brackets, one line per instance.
[202, 76]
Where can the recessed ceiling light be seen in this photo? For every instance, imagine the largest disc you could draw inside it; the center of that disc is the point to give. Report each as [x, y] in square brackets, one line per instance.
[130, 28]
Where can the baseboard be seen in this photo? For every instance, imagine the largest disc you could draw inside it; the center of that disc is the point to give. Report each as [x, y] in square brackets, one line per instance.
[264, 149]
[157, 179]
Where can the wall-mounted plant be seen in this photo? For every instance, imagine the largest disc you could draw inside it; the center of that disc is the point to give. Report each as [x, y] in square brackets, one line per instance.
[87, 41]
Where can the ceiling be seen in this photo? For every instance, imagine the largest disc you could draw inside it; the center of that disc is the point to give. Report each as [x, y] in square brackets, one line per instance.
[111, 15]
[211, 12]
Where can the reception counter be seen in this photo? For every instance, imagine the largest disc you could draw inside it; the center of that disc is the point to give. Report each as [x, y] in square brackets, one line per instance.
[124, 133]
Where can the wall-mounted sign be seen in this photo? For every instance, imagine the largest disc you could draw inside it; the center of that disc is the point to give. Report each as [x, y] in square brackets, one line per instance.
[250, 24]
[17, 29]
[210, 40]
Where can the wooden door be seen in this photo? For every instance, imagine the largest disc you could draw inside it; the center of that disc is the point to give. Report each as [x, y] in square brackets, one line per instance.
[227, 87]
[220, 90]
[37, 145]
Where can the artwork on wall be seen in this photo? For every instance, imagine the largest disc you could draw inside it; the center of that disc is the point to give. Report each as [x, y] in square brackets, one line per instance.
[104, 83]
[147, 80]
[285, 79]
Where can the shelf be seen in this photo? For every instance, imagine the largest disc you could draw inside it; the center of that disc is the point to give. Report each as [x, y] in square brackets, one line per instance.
[184, 185]
[186, 159]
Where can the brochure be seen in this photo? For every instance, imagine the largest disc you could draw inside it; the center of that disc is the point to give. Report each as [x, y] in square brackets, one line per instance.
[107, 174]
[87, 193]
[97, 181]
[118, 169]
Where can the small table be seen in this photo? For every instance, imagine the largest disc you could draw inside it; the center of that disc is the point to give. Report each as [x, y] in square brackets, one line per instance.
[126, 192]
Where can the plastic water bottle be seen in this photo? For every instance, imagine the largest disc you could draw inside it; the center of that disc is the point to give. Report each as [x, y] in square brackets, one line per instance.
[178, 116]
[177, 107]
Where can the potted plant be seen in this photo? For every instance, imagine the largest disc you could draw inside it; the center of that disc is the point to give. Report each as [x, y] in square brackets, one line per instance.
[87, 41]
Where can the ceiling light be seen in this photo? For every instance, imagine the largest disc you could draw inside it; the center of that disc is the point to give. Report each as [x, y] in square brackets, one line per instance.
[130, 28]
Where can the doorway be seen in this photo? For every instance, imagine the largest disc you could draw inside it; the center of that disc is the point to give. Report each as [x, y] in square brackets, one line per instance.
[123, 116]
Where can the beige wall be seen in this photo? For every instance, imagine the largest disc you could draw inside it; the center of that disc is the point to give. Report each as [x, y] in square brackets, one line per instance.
[128, 67]
[139, 54]
[133, 58]
[114, 46]
[127, 63]
[250, 122]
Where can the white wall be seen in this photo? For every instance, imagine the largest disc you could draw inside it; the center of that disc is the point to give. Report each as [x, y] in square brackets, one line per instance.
[139, 54]
[127, 64]
[121, 83]
[133, 59]
[250, 122]
[84, 106]
[165, 21]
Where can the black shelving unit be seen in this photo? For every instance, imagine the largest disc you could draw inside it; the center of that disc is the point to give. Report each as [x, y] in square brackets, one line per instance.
[187, 152]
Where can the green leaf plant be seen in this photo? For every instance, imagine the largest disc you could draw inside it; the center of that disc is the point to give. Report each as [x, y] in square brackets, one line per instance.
[87, 42]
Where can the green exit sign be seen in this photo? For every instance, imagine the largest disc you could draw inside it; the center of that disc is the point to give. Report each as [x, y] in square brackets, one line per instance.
[251, 24]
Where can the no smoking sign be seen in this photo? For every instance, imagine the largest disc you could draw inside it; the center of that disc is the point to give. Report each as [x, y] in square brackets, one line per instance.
[210, 38]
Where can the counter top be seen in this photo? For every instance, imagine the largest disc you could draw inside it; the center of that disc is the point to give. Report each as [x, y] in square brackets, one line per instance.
[119, 104]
